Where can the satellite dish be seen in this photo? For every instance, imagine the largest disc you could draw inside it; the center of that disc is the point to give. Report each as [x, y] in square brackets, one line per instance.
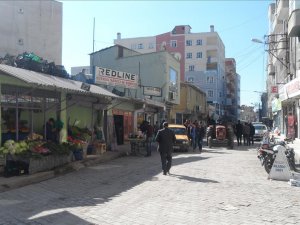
[163, 45]
[177, 55]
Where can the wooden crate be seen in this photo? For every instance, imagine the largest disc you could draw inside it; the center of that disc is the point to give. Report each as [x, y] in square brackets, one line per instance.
[100, 148]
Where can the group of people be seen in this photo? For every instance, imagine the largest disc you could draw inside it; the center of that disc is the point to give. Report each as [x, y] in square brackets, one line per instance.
[246, 132]
[196, 133]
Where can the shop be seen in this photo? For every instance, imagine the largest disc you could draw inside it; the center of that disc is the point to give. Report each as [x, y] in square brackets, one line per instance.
[289, 118]
[29, 102]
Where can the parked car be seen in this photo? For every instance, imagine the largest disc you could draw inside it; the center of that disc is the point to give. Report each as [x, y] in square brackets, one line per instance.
[182, 141]
[260, 129]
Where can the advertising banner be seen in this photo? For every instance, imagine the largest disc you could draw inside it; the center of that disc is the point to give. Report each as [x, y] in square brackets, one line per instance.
[115, 78]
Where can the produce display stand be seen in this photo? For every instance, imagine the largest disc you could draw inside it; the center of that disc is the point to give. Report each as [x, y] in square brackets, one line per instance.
[136, 145]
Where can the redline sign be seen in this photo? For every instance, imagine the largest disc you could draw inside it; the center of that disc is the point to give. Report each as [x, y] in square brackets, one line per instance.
[115, 78]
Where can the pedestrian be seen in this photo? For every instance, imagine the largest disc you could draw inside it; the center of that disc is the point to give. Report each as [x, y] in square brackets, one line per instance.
[200, 135]
[51, 134]
[246, 134]
[252, 132]
[149, 134]
[239, 132]
[166, 139]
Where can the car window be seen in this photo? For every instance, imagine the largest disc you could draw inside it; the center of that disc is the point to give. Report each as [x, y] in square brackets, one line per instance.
[180, 131]
[260, 127]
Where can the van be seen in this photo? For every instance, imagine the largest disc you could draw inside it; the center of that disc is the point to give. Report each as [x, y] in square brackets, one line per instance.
[260, 129]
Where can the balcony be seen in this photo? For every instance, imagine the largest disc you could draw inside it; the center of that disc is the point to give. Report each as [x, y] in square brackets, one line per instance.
[211, 59]
[294, 24]
[282, 9]
[277, 25]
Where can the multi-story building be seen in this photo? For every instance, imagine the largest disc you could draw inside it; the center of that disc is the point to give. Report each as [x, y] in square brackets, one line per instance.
[283, 65]
[232, 89]
[31, 26]
[201, 57]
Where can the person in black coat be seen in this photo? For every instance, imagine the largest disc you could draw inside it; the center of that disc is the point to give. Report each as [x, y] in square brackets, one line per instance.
[165, 138]
[239, 132]
[252, 132]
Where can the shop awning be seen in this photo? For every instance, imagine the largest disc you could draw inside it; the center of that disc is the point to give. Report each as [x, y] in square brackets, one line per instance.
[53, 82]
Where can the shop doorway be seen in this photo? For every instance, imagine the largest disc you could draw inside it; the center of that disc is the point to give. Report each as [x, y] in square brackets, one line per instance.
[119, 128]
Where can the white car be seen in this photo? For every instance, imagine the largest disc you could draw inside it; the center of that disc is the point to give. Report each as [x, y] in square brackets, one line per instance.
[260, 129]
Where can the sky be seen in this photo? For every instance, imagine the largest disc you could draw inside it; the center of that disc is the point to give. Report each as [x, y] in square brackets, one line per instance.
[236, 21]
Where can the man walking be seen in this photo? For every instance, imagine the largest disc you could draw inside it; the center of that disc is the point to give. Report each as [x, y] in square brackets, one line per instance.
[239, 132]
[165, 138]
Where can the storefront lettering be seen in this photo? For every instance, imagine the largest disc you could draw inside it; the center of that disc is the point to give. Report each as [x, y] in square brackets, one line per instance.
[293, 87]
[114, 77]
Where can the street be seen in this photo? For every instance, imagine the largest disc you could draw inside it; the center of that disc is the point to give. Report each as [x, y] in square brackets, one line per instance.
[219, 186]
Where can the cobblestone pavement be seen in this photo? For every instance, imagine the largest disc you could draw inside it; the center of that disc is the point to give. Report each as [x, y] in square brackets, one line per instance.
[219, 186]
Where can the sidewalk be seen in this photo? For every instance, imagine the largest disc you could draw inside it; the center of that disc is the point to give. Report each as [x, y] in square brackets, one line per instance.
[23, 180]
[296, 146]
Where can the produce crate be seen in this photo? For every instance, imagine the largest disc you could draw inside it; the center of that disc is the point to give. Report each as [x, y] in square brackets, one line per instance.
[49, 162]
[100, 148]
[2, 160]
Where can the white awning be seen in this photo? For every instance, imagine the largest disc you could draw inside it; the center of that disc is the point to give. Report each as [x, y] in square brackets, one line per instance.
[53, 82]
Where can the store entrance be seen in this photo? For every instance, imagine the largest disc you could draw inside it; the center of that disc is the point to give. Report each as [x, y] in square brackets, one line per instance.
[119, 124]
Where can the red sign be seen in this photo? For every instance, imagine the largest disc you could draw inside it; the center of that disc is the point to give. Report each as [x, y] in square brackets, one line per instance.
[274, 89]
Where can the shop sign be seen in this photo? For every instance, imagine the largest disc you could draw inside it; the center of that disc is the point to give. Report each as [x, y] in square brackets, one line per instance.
[85, 87]
[293, 88]
[276, 105]
[274, 89]
[152, 91]
[115, 78]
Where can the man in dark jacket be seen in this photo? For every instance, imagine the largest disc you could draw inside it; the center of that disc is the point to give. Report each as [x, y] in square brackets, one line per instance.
[165, 138]
[252, 132]
[239, 132]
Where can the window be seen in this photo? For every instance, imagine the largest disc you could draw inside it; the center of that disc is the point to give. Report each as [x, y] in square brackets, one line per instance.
[173, 77]
[189, 42]
[140, 46]
[210, 93]
[191, 79]
[189, 55]
[199, 55]
[151, 45]
[199, 42]
[220, 94]
[210, 80]
[191, 68]
[173, 43]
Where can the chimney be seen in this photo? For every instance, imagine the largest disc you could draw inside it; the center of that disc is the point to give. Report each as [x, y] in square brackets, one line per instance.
[212, 28]
[118, 36]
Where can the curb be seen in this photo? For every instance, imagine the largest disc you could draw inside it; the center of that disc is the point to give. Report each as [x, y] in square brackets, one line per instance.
[20, 181]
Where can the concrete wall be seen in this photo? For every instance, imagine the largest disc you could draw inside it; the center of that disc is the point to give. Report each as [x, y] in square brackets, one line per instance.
[32, 26]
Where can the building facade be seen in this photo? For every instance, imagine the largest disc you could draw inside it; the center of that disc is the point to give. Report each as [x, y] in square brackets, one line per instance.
[232, 90]
[193, 105]
[149, 92]
[283, 65]
[201, 57]
[31, 26]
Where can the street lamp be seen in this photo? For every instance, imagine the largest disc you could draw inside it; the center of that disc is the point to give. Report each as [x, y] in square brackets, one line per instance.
[257, 40]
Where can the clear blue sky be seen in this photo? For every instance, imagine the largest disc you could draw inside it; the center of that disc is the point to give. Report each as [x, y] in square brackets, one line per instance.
[235, 21]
